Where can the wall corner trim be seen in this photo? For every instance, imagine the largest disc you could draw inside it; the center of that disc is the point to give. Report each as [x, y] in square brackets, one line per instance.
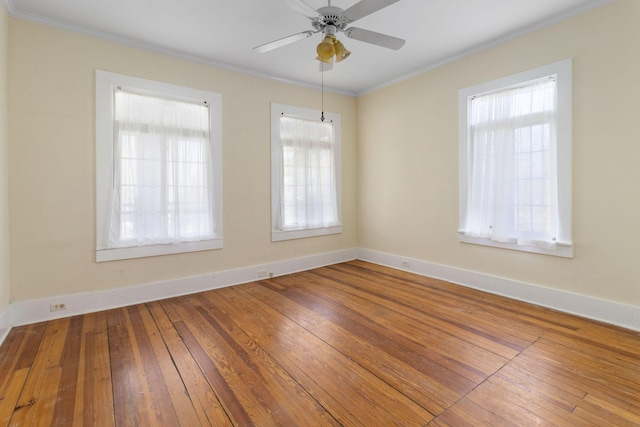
[5, 323]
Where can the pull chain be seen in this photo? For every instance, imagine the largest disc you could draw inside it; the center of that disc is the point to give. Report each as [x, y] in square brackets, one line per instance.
[322, 91]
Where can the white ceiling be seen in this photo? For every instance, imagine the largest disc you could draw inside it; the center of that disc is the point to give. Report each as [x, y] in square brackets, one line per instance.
[223, 32]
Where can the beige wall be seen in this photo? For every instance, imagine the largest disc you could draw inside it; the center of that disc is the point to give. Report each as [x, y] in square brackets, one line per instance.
[408, 158]
[52, 178]
[5, 295]
[402, 173]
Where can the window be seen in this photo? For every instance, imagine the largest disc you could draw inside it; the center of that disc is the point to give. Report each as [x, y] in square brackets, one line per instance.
[305, 173]
[158, 163]
[515, 162]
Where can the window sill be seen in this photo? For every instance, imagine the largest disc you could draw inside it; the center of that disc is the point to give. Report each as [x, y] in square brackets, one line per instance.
[103, 255]
[563, 249]
[278, 236]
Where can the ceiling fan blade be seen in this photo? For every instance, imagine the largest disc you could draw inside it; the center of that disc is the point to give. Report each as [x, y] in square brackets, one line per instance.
[304, 8]
[374, 38]
[282, 42]
[366, 7]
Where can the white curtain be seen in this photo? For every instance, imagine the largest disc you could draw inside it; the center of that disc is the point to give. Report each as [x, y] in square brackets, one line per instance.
[162, 172]
[512, 176]
[308, 180]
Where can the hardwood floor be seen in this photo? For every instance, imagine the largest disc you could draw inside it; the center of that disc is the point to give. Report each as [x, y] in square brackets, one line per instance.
[352, 344]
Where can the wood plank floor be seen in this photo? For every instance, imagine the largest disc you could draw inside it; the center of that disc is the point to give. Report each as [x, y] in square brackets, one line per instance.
[353, 344]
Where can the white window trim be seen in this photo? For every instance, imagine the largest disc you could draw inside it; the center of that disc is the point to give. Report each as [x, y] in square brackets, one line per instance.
[563, 72]
[276, 111]
[106, 82]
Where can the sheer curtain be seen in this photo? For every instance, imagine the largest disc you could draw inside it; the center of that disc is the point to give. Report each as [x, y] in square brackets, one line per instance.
[308, 191]
[512, 175]
[163, 172]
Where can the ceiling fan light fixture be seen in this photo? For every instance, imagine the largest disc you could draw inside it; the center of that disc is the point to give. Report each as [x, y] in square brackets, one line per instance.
[326, 48]
[325, 60]
[341, 52]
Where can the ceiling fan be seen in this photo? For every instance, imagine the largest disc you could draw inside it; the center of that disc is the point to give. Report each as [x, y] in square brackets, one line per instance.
[331, 19]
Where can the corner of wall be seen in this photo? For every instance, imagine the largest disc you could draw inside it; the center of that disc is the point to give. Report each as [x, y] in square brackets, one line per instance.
[5, 323]
[5, 288]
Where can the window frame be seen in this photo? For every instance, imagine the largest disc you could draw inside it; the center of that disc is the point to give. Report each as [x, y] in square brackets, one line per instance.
[106, 82]
[276, 166]
[562, 71]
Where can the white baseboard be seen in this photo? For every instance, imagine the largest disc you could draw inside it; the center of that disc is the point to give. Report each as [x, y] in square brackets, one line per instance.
[33, 311]
[5, 323]
[626, 316]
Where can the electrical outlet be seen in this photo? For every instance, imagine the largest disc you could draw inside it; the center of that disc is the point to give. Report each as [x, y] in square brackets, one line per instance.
[263, 273]
[405, 263]
[57, 307]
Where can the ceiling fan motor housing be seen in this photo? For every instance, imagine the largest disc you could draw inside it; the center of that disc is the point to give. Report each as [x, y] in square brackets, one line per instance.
[331, 15]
